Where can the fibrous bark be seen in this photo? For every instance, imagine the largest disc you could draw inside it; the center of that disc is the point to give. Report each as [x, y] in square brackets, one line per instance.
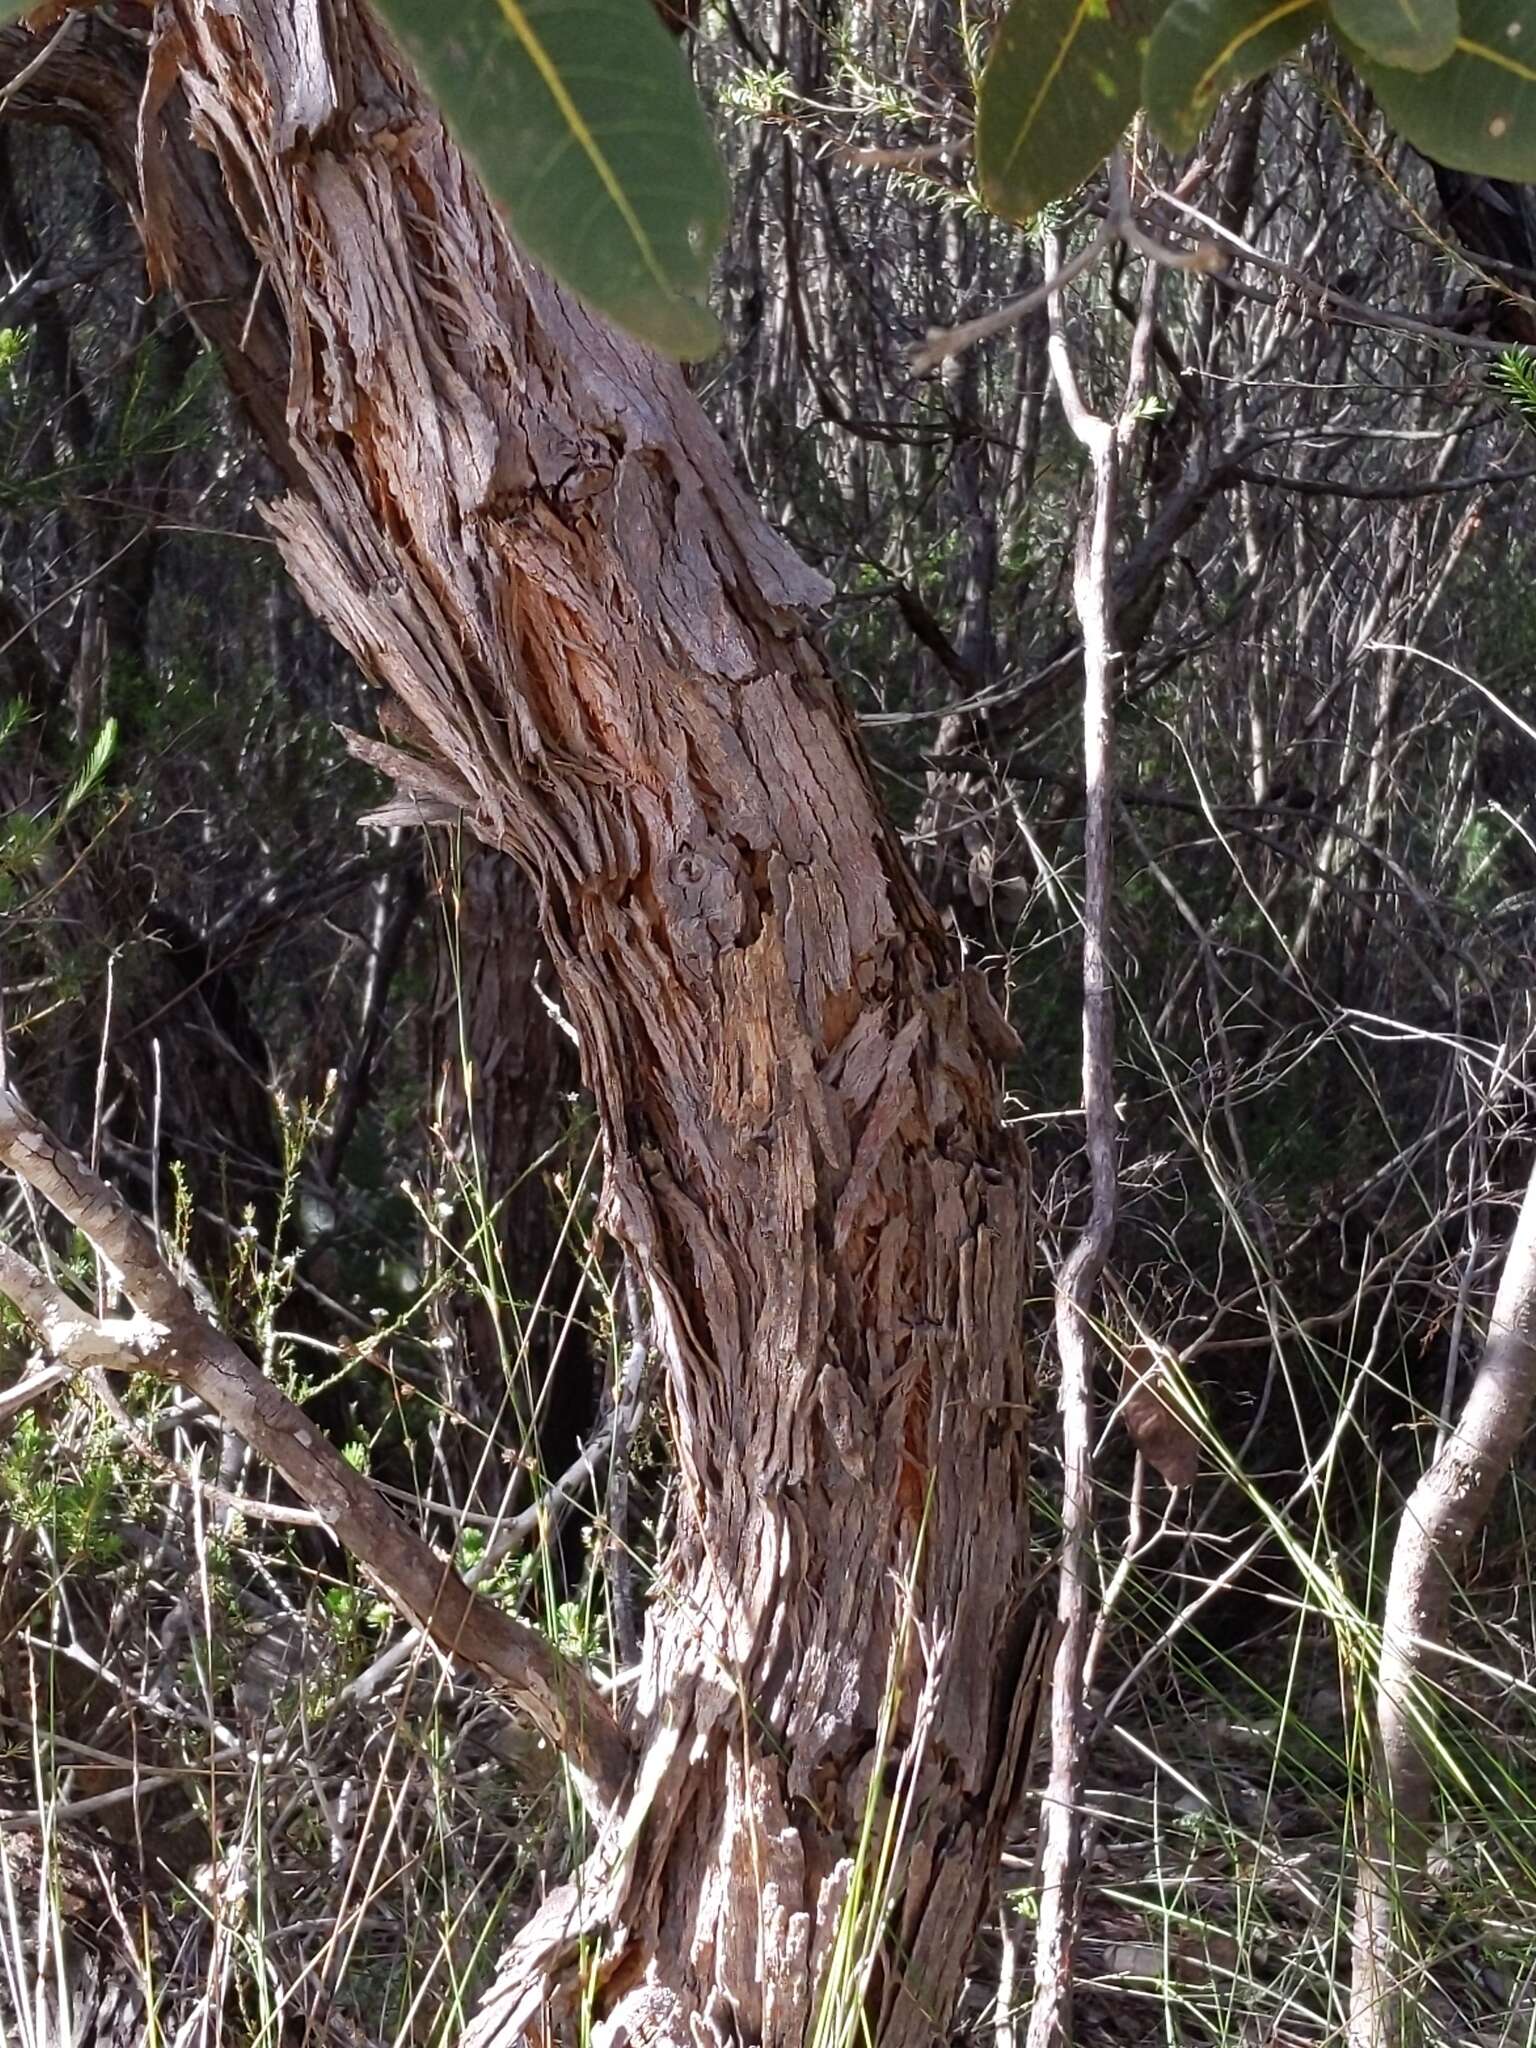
[522, 526]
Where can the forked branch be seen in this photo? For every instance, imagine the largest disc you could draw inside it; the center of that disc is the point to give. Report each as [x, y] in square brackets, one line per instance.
[1050, 2022]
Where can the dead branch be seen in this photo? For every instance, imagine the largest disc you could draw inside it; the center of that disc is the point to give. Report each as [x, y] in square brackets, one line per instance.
[169, 1336]
[1078, 1280]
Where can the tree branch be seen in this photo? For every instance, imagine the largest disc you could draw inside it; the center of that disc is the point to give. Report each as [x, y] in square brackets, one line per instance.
[1444, 1515]
[1050, 2019]
[169, 1336]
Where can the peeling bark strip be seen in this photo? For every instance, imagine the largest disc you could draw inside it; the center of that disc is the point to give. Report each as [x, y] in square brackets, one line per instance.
[521, 524]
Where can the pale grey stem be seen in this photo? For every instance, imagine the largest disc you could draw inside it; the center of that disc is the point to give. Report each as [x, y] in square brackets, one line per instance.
[1443, 1517]
[1078, 1280]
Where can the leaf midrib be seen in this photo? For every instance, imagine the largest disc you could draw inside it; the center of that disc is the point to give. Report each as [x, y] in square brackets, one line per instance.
[1240, 42]
[571, 114]
[1063, 51]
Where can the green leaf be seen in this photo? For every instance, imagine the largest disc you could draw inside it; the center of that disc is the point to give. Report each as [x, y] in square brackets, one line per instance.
[1059, 90]
[1514, 377]
[582, 120]
[95, 767]
[1202, 48]
[1477, 112]
[1415, 34]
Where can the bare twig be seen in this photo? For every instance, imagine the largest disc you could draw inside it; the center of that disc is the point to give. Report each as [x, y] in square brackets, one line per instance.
[943, 342]
[1078, 1280]
[34, 65]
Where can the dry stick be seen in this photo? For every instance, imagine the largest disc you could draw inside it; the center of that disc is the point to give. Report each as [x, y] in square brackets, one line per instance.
[1077, 1282]
[1444, 1514]
[29, 71]
[37, 1384]
[169, 1336]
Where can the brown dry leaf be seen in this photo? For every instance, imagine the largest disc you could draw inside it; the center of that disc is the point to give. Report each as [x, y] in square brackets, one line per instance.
[1157, 1430]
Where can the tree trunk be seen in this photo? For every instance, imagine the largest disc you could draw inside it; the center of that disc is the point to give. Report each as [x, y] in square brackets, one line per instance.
[520, 523]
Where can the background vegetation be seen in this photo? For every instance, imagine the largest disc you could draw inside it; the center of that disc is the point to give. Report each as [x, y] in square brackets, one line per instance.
[323, 1055]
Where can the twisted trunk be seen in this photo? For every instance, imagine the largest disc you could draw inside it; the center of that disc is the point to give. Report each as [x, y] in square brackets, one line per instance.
[521, 525]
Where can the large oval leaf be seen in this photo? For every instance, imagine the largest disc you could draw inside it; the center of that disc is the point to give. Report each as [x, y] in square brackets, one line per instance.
[582, 120]
[1202, 48]
[1415, 34]
[1058, 92]
[1478, 111]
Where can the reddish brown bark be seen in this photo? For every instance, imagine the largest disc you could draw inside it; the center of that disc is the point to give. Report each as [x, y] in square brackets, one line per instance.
[521, 524]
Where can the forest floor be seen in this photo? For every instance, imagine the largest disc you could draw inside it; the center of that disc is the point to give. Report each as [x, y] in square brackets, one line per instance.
[1220, 1866]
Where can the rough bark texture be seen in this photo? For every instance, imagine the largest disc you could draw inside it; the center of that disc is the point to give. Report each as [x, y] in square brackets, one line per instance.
[521, 524]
